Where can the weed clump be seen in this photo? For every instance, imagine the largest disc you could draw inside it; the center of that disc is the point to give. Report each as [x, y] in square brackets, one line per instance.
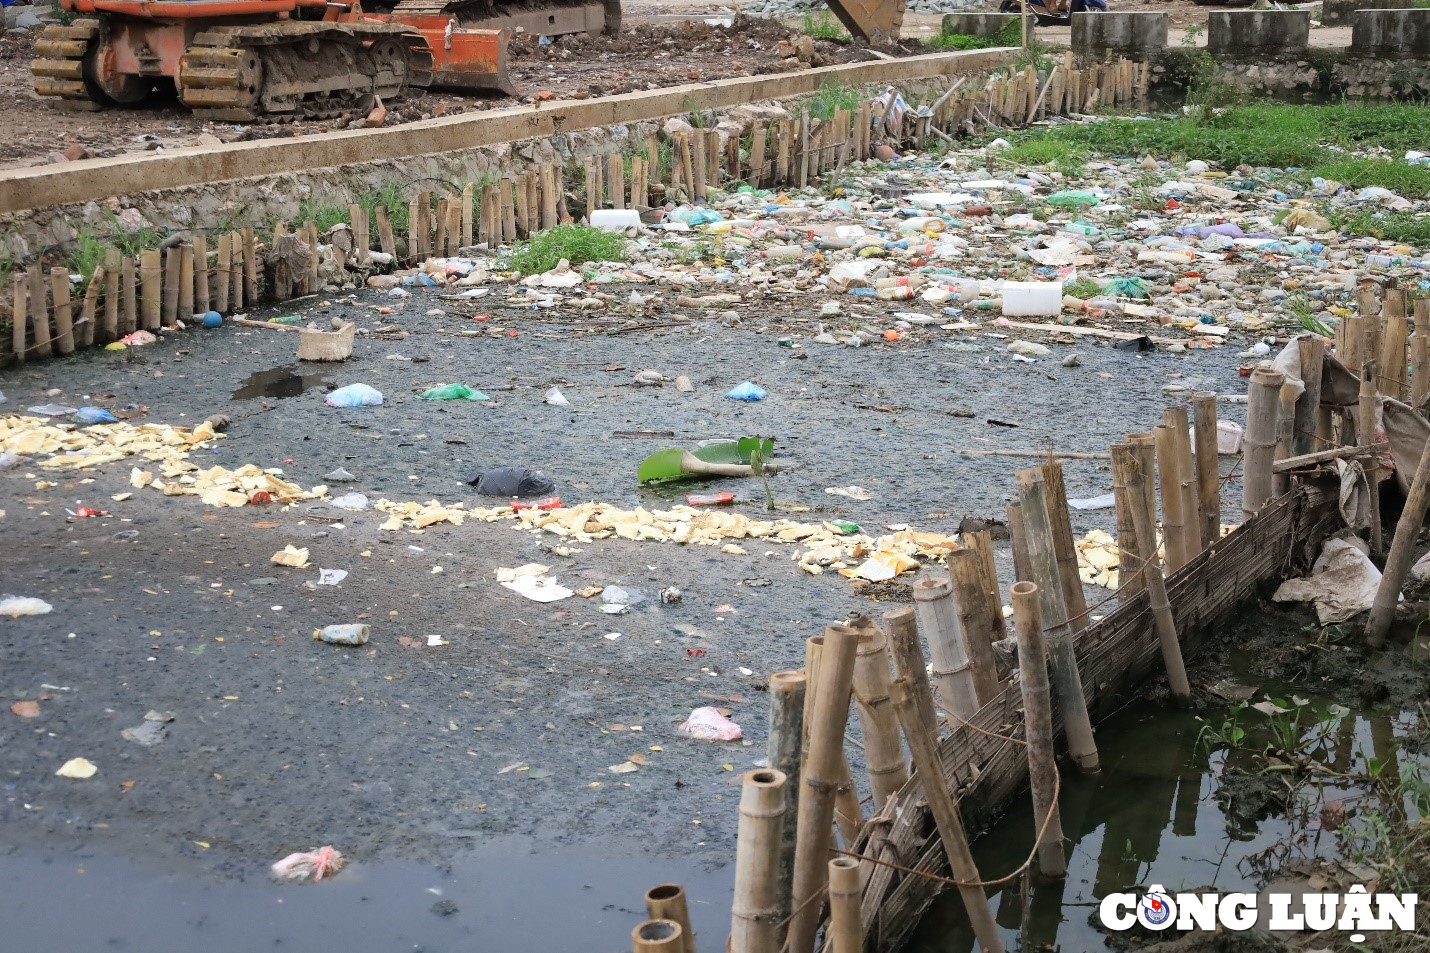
[578, 244]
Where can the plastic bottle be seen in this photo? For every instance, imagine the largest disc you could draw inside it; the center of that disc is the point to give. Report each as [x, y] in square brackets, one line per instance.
[903, 293]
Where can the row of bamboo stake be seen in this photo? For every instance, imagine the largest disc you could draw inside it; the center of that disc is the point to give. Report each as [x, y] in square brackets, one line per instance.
[800, 818]
[164, 286]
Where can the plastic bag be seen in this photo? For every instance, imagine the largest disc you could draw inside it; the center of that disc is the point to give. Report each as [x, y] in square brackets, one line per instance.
[16, 606]
[555, 398]
[323, 862]
[1127, 288]
[52, 410]
[707, 724]
[1073, 198]
[94, 415]
[451, 392]
[746, 391]
[351, 501]
[355, 395]
[513, 481]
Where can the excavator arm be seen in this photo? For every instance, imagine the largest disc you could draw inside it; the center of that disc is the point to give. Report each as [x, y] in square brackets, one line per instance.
[878, 21]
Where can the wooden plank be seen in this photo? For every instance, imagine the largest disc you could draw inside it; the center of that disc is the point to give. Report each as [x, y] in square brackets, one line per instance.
[639, 196]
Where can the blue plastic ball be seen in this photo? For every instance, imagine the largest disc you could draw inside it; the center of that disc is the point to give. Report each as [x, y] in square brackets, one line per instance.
[212, 319]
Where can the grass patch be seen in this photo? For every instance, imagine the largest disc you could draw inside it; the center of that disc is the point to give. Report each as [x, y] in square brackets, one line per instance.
[1010, 34]
[578, 244]
[1082, 288]
[1065, 155]
[832, 96]
[824, 26]
[132, 244]
[389, 197]
[1407, 228]
[87, 255]
[325, 215]
[1409, 180]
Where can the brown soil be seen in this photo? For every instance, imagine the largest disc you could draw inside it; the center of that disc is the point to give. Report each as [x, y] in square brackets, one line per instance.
[572, 67]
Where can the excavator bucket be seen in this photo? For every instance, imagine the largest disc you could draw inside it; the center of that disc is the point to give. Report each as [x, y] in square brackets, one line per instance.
[461, 58]
[878, 21]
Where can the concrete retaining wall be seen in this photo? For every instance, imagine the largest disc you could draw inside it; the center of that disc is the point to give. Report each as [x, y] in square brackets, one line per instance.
[1342, 12]
[1396, 33]
[1100, 35]
[979, 24]
[1253, 32]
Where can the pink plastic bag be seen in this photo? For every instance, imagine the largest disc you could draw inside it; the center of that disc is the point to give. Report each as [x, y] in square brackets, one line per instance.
[707, 724]
[322, 862]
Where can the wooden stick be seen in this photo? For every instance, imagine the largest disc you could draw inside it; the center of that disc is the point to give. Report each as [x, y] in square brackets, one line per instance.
[1402, 551]
[667, 902]
[84, 330]
[914, 706]
[1208, 474]
[1158, 601]
[1038, 728]
[1076, 724]
[820, 778]
[40, 312]
[783, 751]
[19, 316]
[64, 313]
[1420, 353]
[883, 752]
[267, 325]
[846, 932]
[1175, 419]
[1018, 537]
[1365, 432]
[186, 283]
[1262, 407]
[754, 912]
[658, 936]
[965, 572]
[1063, 544]
[938, 619]
[1033, 454]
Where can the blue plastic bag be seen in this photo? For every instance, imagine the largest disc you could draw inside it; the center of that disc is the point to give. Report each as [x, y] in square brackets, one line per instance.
[746, 391]
[94, 415]
[355, 395]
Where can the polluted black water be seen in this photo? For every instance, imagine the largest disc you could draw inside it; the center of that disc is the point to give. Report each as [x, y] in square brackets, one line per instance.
[1227, 799]
[278, 382]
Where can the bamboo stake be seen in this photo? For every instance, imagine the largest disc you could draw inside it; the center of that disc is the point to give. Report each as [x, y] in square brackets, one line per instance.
[64, 310]
[593, 188]
[1176, 420]
[1394, 332]
[128, 292]
[1038, 728]
[311, 282]
[754, 912]
[883, 752]
[1174, 523]
[1076, 724]
[1132, 549]
[223, 271]
[386, 240]
[508, 209]
[1063, 544]
[1158, 602]
[938, 619]
[414, 231]
[202, 298]
[757, 157]
[981, 543]
[640, 192]
[1365, 430]
[914, 706]
[819, 781]
[657, 936]
[1022, 569]
[533, 203]
[667, 902]
[1312, 349]
[1263, 404]
[171, 286]
[783, 751]
[40, 312]
[443, 240]
[422, 220]
[846, 933]
[186, 283]
[1208, 476]
[696, 169]
[523, 210]
[359, 232]
[965, 571]
[109, 329]
[1402, 551]
[550, 186]
[802, 160]
[84, 328]
[19, 317]
[1420, 353]
[151, 271]
[615, 180]
[468, 225]
[250, 267]
[848, 814]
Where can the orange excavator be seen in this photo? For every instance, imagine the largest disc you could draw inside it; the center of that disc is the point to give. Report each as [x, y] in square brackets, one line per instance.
[245, 60]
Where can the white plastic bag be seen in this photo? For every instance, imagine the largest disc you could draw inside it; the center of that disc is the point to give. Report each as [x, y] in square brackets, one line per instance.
[707, 724]
[355, 395]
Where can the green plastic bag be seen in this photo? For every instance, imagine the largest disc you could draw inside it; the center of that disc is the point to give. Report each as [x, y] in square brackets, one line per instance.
[1126, 288]
[1076, 198]
[452, 392]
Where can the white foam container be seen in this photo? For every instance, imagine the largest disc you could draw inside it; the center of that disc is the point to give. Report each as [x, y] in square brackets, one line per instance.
[1032, 299]
[615, 219]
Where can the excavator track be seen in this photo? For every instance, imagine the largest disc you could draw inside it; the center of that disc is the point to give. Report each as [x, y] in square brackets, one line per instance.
[59, 66]
[291, 69]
